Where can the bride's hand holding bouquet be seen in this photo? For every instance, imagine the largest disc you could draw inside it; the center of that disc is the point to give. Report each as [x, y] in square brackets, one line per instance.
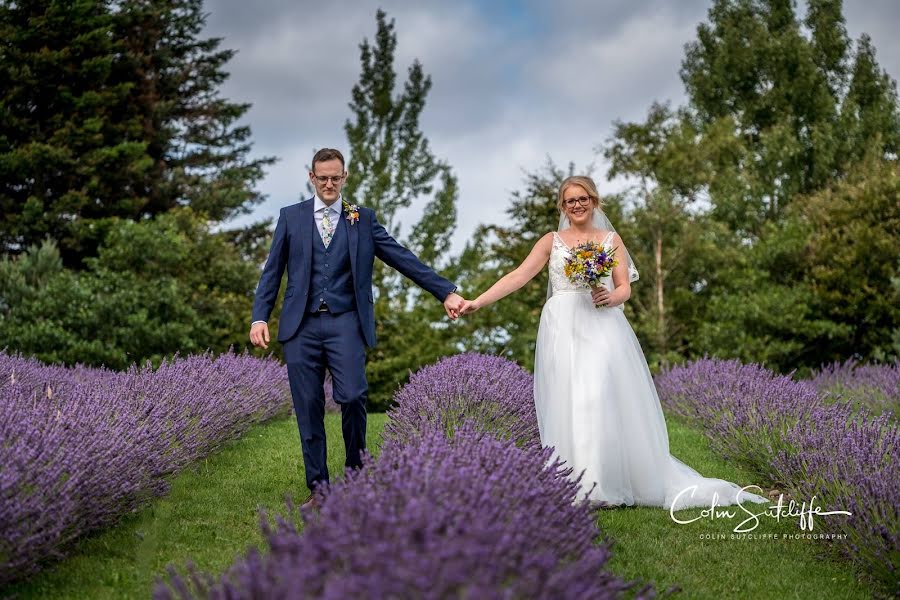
[587, 265]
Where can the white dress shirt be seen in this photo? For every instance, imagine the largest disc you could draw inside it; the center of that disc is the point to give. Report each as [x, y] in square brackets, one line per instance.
[319, 208]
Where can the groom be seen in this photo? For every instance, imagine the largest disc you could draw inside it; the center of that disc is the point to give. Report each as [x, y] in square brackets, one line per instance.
[328, 247]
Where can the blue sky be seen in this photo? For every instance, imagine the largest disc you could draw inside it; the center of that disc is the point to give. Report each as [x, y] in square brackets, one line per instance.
[513, 82]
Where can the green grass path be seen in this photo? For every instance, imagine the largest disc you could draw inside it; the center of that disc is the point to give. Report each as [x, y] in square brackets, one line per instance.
[211, 516]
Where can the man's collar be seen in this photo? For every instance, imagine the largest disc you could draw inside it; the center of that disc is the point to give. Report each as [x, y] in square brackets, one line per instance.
[319, 204]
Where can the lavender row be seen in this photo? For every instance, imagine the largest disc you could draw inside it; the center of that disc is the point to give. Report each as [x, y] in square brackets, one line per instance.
[843, 454]
[876, 386]
[492, 393]
[81, 447]
[462, 502]
[472, 516]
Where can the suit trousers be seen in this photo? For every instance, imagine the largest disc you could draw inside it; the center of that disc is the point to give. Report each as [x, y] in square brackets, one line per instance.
[332, 341]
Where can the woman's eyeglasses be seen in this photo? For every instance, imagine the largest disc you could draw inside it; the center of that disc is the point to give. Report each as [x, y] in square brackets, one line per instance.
[582, 200]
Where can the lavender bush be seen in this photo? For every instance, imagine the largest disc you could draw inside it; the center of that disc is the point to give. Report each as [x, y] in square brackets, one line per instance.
[849, 460]
[468, 517]
[746, 410]
[842, 454]
[81, 447]
[876, 386]
[495, 394]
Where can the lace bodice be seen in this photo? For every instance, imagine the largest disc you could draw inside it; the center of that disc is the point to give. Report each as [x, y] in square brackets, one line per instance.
[559, 283]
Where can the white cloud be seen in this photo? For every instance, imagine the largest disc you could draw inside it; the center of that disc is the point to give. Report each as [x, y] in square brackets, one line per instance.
[508, 89]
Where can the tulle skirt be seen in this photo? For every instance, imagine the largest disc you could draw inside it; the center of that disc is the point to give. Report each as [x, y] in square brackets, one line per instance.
[598, 408]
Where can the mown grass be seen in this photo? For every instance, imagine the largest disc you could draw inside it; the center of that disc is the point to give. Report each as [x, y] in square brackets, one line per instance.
[211, 516]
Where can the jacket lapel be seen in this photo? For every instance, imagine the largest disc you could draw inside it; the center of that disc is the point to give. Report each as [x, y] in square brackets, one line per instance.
[352, 237]
[307, 231]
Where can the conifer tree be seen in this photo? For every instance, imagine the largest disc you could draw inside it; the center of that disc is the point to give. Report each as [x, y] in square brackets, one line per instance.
[390, 167]
[112, 110]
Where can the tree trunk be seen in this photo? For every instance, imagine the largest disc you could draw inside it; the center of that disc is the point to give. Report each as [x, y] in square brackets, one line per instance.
[660, 297]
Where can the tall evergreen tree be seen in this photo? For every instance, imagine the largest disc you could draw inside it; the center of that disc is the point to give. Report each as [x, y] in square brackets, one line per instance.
[200, 153]
[391, 165]
[111, 109]
[70, 147]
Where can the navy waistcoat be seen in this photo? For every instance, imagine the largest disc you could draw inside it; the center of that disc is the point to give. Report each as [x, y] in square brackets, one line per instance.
[331, 281]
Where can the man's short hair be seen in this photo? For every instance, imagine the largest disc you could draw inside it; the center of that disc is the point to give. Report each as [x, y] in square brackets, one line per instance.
[327, 154]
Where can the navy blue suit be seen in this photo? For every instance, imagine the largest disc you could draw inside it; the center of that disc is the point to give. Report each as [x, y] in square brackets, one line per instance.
[339, 280]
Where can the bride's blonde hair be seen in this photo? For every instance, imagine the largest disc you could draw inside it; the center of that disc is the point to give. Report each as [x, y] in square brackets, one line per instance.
[581, 180]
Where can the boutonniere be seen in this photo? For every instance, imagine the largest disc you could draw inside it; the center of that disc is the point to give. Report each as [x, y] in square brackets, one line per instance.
[352, 212]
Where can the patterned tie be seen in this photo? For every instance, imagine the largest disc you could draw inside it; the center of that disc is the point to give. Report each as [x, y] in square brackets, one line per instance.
[327, 227]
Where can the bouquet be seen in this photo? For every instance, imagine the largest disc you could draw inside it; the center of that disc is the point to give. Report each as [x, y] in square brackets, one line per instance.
[588, 263]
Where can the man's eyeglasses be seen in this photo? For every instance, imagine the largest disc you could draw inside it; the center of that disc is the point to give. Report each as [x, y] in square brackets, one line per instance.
[582, 200]
[335, 179]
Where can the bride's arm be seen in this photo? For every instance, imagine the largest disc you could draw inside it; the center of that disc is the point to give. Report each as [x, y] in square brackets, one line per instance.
[622, 291]
[518, 277]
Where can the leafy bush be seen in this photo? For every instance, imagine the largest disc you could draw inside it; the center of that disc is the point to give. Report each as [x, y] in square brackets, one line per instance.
[157, 288]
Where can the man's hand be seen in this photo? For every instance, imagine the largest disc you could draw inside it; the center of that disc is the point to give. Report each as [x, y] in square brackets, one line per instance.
[453, 303]
[600, 296]
[259, 334]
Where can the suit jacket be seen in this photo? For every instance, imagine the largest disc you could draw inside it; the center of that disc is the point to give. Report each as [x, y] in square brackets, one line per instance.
[292, 251]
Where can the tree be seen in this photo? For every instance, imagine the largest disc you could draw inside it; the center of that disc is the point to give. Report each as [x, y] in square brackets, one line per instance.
[110, 110]
[67, 144]
[851, 261]
[779, 115]
[668, 240]
[821, 284]
[158, 287]
[869, 115]
[391, 165]
[509, 328]
[784, 98]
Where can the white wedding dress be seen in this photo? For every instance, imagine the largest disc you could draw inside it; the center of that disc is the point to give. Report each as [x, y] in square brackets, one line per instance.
[598, 408]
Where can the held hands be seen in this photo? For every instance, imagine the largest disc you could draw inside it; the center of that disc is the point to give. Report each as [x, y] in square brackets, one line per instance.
[456, 306]
[453, 304]
[469, 307]
[259, 334]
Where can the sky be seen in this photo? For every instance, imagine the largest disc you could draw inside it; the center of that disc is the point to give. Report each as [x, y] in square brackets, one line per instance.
[514, 83]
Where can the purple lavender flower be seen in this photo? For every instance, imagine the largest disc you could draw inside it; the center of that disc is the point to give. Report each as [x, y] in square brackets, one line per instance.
[81, 447]
[811, 444]
[468, 517]
[848, 459]
[494, 393]
[876, 386]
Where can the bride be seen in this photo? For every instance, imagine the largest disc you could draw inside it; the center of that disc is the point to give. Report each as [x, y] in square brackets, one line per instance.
[595, 399]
